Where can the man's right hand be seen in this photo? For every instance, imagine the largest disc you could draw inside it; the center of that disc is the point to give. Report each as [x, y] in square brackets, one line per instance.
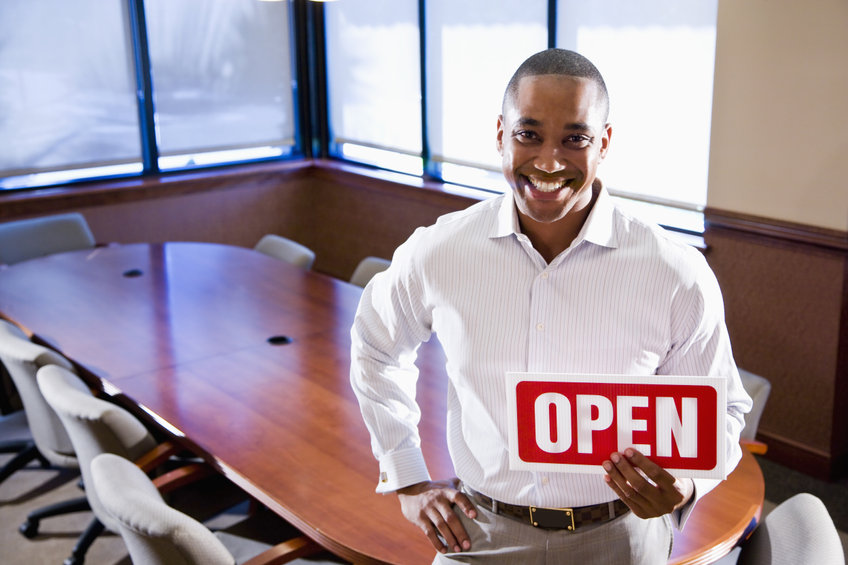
[429, 505]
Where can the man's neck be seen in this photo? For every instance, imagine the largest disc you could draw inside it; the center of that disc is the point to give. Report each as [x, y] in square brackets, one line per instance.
[552, 238]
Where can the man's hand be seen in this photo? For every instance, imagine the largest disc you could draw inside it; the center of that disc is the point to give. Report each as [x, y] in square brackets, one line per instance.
[655, 496]
[429, 505]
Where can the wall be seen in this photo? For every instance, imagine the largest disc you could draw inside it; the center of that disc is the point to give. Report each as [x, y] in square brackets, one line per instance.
[777, 216]
[780, 111]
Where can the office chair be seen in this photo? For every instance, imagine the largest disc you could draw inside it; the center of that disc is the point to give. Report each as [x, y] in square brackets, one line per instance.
[758, 388]
[157, 534]
[36, 237]
[286, 250]
[798, 531]
[18, 440]
[367, 268]
[52, 446]
[96, 426]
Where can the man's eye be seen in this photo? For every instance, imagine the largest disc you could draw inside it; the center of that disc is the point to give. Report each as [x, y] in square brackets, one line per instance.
[578, 141]
[525, 135]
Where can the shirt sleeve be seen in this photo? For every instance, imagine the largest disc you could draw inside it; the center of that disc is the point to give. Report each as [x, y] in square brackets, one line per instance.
[701, 346]
[390, 324]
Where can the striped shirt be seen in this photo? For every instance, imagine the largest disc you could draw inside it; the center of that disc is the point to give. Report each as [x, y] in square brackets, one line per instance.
[624, 298]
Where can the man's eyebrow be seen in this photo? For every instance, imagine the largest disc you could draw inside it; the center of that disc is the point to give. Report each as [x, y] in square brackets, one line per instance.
[533, 122]
[528, 122]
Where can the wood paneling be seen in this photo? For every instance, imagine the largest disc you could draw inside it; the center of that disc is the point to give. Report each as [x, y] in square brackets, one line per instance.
[784, 289]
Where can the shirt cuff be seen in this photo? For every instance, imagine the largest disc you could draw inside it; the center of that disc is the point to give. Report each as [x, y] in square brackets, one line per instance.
[702, 487]
[401, 469]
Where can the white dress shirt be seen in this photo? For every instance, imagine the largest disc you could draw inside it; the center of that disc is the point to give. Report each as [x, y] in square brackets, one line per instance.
[624, 299]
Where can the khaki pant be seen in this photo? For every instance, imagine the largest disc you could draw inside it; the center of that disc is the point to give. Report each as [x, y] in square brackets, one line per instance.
[499, 540]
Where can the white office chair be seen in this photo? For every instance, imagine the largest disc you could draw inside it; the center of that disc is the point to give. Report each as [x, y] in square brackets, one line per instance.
[96, 426]
[22, 359]
[799, 531]
[758, 388]
[36, 237]
[157, 534]
[286, 250]
[17, 439]
[367, 268]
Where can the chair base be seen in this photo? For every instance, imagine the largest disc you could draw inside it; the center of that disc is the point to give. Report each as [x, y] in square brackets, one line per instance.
[29, 529]
[26, 452]
[94, 529]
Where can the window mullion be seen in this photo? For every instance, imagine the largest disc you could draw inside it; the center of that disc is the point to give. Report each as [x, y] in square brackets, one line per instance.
[144, 80]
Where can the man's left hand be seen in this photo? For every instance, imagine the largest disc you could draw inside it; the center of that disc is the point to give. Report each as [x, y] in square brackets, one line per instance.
[656, 495]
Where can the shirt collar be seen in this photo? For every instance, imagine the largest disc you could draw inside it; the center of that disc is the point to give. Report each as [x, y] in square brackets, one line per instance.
[598, 229]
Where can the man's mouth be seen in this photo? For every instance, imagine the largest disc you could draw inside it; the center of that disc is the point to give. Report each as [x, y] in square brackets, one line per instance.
[547, 185]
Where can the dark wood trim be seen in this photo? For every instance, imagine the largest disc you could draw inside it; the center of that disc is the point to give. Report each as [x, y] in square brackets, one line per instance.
[795, 455]
[376, 179]
[21, 203]
[779, 229]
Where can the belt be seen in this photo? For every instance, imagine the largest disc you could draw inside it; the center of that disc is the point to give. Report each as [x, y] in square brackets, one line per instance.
[553, 518]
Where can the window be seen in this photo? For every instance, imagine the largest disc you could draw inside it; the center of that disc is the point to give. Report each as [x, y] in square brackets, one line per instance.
[472, 49]
[67, 92]
[221, 81]
[657, 59]
[375, 93]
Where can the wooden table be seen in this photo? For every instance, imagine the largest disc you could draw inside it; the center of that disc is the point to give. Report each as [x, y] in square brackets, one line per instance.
[182, 330]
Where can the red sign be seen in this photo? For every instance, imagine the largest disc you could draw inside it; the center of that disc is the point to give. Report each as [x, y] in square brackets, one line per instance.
[573, 423]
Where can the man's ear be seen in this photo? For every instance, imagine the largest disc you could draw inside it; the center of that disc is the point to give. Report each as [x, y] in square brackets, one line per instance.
[500, 134]
[605, 140]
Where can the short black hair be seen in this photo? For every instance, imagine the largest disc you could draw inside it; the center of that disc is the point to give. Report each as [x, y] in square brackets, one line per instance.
[558, 62]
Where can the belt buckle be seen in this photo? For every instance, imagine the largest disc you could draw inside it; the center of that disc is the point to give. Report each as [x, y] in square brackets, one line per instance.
[552, 518]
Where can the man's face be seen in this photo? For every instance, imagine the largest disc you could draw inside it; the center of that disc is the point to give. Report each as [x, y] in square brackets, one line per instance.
[552, 136]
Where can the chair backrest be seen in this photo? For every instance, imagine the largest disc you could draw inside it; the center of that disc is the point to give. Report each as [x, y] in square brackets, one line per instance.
[154, 533]
[94, 425]
[798, 531]
[758, 388]
[22, 359]
[367, 268]
[36, 237]
[286, 250]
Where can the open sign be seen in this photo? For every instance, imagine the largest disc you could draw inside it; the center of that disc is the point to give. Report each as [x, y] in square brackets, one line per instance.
[572, 423]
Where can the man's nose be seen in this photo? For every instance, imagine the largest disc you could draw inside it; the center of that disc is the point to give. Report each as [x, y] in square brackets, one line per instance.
[550, 161]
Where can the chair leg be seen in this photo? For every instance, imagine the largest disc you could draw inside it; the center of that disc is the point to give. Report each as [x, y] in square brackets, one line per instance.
[94, 529]
[28, 453]
[29, 528]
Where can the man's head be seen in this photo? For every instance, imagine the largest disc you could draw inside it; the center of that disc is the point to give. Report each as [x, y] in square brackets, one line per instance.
[558, 62]
[552, 135]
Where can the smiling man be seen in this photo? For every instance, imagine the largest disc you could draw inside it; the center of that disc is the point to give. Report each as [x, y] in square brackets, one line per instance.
[550, 278]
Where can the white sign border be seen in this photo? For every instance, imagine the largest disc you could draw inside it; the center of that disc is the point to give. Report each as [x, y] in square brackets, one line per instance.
[719, 384]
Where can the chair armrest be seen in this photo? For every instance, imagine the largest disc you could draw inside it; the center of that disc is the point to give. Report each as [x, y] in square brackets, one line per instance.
[754, 446]
[290, 550]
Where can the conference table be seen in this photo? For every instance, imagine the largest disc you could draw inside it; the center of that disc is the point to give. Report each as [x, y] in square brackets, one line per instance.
[244, 359]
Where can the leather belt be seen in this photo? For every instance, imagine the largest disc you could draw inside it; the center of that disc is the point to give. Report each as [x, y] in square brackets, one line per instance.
[553, 518]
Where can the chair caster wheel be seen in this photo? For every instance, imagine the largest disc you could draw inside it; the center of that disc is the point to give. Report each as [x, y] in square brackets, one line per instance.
[72, 561]
[29, 529]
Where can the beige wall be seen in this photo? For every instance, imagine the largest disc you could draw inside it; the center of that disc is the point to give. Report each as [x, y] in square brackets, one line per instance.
[779, 146]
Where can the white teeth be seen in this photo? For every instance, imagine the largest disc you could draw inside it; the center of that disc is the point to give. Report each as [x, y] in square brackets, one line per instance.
[543, 186]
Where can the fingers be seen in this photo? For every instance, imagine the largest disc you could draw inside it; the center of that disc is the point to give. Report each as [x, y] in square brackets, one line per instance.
[430, 507]
[648, 489]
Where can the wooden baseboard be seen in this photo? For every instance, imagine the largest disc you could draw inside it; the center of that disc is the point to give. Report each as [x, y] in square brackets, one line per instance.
[805, 459]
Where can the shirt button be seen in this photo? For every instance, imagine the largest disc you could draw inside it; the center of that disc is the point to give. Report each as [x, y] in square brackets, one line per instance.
[545, 275]
[540, 326]
[545, 480]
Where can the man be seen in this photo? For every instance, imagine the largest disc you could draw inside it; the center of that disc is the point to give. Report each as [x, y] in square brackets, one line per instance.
[550, 278]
